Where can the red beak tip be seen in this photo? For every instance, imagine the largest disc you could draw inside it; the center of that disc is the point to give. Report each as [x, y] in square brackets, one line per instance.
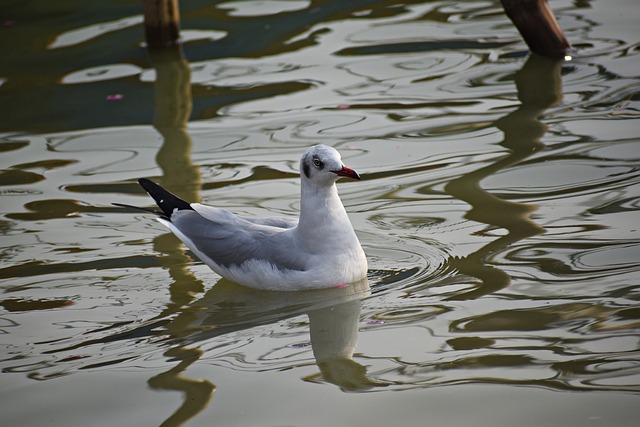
[347, 173]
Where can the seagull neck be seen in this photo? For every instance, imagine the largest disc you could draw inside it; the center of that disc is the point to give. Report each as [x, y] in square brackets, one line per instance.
[321, 210]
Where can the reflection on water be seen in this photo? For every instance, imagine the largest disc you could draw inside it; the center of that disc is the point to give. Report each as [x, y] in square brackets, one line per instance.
[172, 109]
[197, 392]
[539, 87]
[498, 209]
[333, 323]
[228, 308]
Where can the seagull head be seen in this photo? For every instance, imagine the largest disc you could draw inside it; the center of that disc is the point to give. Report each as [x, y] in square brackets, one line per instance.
[323, 165]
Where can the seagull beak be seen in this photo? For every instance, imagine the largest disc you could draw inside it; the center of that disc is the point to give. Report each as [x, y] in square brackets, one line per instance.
[347, 172]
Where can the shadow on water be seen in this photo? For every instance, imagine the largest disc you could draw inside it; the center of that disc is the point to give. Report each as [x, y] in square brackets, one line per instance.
[539, 87]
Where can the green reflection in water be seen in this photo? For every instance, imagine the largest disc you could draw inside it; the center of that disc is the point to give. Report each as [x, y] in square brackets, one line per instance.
[539, 87]
[172, 106]
[197, 393]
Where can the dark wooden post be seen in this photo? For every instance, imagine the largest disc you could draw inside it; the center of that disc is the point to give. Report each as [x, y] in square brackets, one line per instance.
[161, 23]
[538, 27]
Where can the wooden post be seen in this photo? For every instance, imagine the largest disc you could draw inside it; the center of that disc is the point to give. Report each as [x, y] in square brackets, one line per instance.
[538, 27]
[161, 23]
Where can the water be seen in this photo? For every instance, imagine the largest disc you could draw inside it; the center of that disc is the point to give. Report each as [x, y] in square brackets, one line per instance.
[498, 209]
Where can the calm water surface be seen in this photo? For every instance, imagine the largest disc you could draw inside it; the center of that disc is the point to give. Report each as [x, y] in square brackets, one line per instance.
[498, 209]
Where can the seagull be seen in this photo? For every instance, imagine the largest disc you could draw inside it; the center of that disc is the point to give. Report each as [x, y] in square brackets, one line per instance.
[318, 250]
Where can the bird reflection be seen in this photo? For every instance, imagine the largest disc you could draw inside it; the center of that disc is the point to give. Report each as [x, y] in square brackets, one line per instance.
[227, 307]
[334, 334]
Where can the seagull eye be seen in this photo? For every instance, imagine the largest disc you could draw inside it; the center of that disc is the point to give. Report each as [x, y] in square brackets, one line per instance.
[318, 163]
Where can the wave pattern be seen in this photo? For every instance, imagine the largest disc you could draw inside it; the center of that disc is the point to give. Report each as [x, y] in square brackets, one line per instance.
[498, 206]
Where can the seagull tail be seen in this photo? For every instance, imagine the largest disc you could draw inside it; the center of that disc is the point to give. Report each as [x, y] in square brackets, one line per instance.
[165, 200]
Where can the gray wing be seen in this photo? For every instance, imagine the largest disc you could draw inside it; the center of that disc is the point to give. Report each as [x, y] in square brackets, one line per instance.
[228, 239]
[217, 214]
[274, 222]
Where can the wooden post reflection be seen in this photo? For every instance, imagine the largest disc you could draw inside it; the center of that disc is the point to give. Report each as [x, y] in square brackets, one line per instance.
[173, 103]
[197, 392]
[539, 87]
[172, 109]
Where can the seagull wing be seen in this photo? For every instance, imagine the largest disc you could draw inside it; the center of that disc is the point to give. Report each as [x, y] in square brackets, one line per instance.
[215, 214]
[227, 239]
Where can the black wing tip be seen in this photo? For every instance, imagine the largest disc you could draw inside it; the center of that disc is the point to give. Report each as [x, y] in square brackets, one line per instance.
[148, 185]
[145, 181]
[165, 200]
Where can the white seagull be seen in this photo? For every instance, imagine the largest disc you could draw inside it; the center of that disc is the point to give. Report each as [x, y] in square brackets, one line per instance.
[319, 250]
